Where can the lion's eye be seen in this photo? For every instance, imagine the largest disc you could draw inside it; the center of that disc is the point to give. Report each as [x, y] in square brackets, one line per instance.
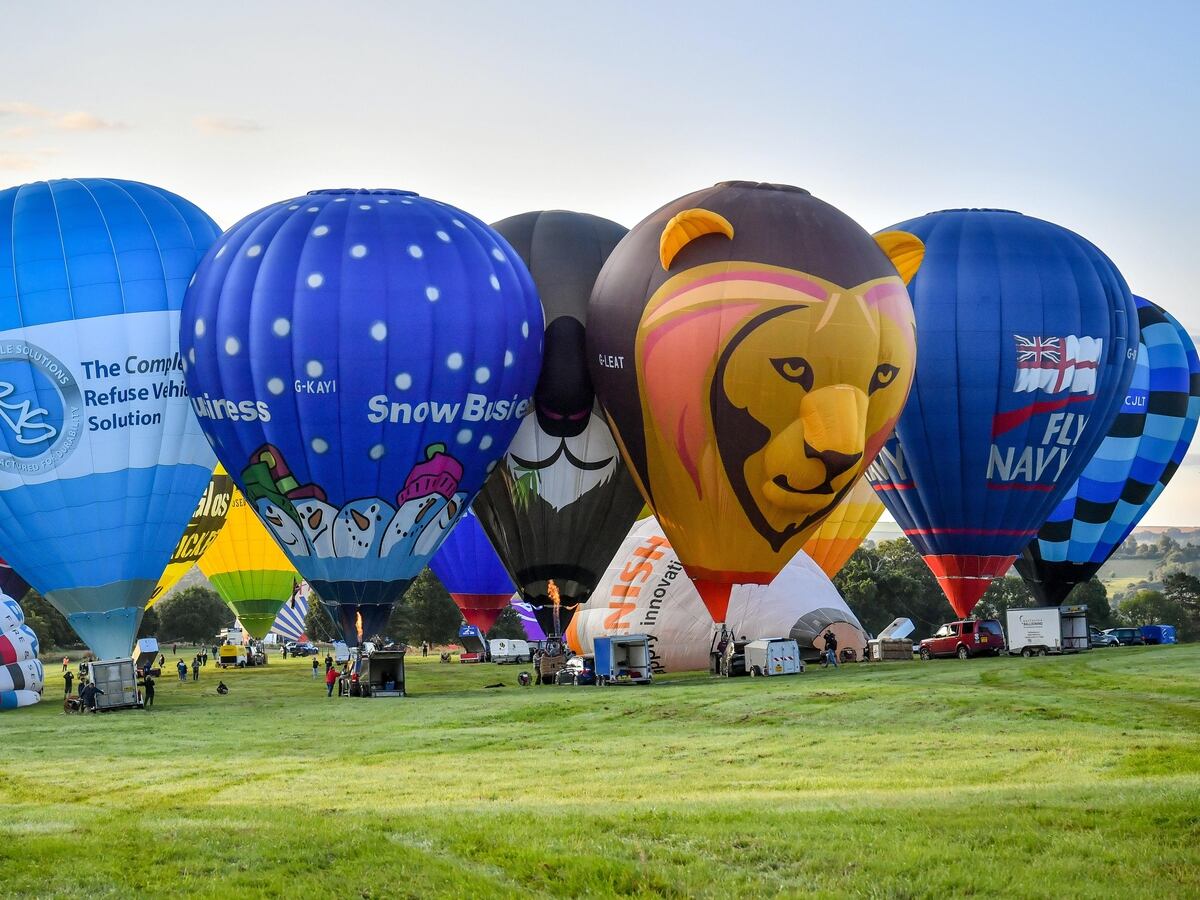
[795, 369]
[884, 375]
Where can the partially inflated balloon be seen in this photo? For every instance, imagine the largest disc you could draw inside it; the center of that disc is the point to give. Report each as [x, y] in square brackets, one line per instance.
[1119, 483]
[289, 623]
[558, 507]
[248, 569]
[201, 531]
[360, 360]
[1028, 336]
[529, 622]
[844, 529]
[21, 675]
[101, 459]
[470, 571]
[753, 347]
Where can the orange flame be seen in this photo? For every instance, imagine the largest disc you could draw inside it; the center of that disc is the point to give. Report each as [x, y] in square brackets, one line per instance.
[358, 625]
[552, 591]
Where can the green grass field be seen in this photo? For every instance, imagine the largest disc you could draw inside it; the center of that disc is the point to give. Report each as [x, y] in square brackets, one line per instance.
[1042, 777]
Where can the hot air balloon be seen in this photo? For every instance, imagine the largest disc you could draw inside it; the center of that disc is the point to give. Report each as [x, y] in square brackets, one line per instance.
[360, 360]
[752, 347]
[529, 622]
[844, 529]
[21, 675]
[1028, 336]
[469, 569]
[248, 569]
[1119, 482]
[101, 460]
[645, 591]
[11, 583]
[559, 505]
[201, 531]
[289, 623]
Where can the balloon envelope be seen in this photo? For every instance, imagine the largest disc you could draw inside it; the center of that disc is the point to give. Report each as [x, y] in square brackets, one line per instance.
[844, 529]
[289, 623]
[360, 360]
[1118, 484]
[201, 531]
[645, 591]
[752, 347]
[470, 571]
[22, 677]
[248, 570]
[560, 503]
[11, 583]
[529, 621]
[101, 459]
[1028, 336]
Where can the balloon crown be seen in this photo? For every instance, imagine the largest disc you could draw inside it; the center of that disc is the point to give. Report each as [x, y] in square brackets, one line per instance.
[355, 192]
[764, 186]
[987, 209]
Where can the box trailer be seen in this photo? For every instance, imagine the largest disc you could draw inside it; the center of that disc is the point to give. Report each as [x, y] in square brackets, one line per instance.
[774, 656]
[505, 650]
[1036, 631]
[893, 642]
[1158, 634]
[381, 674]
[622, 659]
[117, 678]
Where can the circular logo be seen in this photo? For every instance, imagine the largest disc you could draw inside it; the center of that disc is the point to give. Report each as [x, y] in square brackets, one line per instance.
[41, 410]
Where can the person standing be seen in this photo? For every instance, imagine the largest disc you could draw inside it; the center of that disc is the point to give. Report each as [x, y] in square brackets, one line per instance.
[330, 678]
[66, 663]
[162, 660]
[328, 662]
[148, 682]
[285, 651]
[174, 649]
[831, 648]
[68, 680]
[316, 665]
[181, 668]
[196, 668]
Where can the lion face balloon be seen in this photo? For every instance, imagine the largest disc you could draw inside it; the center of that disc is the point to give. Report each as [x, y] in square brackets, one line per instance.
[753, 347]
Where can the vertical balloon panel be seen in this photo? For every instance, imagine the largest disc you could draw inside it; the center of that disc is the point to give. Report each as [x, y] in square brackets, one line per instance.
[101, 459]
[206, 522]
[359, 361]
[468, 568]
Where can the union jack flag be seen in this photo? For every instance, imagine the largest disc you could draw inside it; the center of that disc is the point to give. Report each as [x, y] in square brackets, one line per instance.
[1057, 364]
[1036, 352]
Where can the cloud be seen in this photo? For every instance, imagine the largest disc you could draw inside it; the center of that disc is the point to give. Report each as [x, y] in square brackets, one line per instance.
[18, 132]
[225, 125]
[85, 121]
[19, 108]
[18, 161]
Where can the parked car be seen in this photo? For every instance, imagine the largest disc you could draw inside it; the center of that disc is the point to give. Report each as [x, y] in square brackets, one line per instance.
[964, 639]
[302, 648]
[579, 671]
[1099, 638]
[1127, 637]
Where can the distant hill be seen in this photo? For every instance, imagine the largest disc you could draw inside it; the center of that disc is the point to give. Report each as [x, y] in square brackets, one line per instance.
[1189, 534]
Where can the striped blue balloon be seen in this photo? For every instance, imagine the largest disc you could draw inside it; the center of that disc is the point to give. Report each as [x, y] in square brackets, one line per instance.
[1125, 475]
[101, 458]
[289, 624]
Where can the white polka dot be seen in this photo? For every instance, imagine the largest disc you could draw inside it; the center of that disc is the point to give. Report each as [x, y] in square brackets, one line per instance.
[313, 368]
[454, 361]
[508, 358]
[494, 282]
[379, 331]
[432, 293]
[358, 251]
[406, 202]
[275, 386]
[404, 381]
[491, 466]
[192, 356]
[482, 375]
[464, 436]
[254, 250]
[442, 236]
[485, 442]
[232, 346]
[294, 206]
[221, 251]
[281, 326]
[320, 231]
[313, 209]
[383, 201]
[199, 328]
[458, 223]
[364, 206]
[340, 200]
[497, 253]
[376, 452]
[319, 445]
[415, 251]
[315, 280]
[524, 329]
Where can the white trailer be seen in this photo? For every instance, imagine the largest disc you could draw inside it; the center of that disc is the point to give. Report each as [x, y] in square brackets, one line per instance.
[774, 656]
[504, 650]
[1037, 631]
[117, 678]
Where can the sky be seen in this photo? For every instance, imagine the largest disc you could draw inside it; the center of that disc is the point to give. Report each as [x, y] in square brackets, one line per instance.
[1081, 113]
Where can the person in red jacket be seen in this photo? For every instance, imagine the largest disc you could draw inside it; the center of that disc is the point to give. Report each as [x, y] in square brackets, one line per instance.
[330, 678]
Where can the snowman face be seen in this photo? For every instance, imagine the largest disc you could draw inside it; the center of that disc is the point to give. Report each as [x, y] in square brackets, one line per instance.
[359, 528]
[431, 535]
[410, 518]
[283, 526]
[316, 521]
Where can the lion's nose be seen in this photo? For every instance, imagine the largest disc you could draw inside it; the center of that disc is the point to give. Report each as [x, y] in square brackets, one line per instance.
[835, 424]
[835, 463]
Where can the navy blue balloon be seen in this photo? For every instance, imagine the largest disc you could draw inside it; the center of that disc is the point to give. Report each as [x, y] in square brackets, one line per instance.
[1125, 476]
[360, 360]
[469, 569]
[1026, 343]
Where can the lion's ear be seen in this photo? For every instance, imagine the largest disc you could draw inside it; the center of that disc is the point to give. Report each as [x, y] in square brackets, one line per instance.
[685, 227]
[904, 250]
